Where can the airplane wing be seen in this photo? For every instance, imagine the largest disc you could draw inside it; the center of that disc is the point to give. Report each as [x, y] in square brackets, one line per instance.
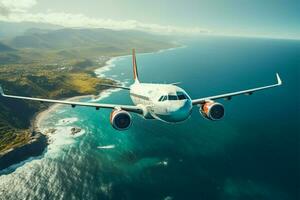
[129, 108]
[228, 96]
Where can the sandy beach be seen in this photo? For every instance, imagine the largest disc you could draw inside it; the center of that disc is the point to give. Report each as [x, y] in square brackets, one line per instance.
[36, 123]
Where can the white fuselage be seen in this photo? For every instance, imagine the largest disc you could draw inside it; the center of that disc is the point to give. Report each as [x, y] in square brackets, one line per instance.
[164, 102]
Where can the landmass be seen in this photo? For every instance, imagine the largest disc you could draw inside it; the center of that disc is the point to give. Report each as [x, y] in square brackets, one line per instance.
[57, 63]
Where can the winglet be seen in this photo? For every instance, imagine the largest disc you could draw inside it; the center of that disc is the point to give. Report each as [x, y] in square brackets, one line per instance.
[279, 82]
[1, 91]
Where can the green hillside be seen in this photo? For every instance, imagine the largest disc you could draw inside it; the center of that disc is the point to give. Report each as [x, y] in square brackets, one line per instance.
[39, 81]
[74, 38]
[52, 46]
[13, 29]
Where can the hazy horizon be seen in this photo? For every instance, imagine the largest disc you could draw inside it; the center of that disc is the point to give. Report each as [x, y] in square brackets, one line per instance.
[268, 19]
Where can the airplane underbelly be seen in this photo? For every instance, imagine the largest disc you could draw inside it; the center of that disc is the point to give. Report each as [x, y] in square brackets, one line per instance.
[173, 117]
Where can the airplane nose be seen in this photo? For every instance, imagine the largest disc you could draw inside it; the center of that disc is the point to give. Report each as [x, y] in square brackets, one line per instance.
[186, 108]
[176, 111]
[182, 111]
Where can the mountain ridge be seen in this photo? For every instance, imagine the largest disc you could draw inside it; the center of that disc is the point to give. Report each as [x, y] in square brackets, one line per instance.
[72, 38]
[4, 47]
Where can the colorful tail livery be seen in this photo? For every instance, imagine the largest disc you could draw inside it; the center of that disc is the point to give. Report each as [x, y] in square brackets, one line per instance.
[134, 65]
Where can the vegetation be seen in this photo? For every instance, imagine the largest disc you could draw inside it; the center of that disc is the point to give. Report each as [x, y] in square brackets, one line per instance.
[41, 81]
[57, 64]
[11, 138]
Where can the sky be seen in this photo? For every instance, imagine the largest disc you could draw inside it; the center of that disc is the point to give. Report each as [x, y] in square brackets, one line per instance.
[262, 18]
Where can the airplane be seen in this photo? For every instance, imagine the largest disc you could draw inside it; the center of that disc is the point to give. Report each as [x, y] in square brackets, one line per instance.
[165, 102]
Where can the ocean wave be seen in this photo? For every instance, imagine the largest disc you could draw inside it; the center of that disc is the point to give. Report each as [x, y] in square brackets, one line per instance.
[14, 167]
[108, 66]
[105, 94]
[67, 121]
[163, 163]
[171, 49]
[61, 137]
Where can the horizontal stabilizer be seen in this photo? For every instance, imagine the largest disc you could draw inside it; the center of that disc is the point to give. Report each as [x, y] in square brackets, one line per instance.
[116, 86]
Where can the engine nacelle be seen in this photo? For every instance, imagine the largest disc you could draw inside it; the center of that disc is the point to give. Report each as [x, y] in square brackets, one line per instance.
[120, 120]
[212, 110]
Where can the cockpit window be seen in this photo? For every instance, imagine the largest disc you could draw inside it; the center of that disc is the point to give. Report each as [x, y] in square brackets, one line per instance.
[160, 98]
[165, 98]
[172, 97]
[181, 96]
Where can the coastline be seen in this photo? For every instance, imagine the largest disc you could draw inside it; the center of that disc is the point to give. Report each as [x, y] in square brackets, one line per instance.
[40, 116]
[40, 136]
[36, 120]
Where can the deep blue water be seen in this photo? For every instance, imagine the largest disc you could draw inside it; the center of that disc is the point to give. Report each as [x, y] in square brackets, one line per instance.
[252, 154]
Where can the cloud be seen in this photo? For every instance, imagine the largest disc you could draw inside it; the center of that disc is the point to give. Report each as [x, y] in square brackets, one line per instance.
[79, 20]
[3, 10]
[11, 6]
[17, 11]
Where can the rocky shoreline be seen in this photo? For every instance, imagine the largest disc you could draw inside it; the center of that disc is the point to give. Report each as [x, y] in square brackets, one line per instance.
[39, 139]
[35, 147]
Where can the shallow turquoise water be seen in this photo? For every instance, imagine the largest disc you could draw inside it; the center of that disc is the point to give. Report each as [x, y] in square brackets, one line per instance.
[252, 154]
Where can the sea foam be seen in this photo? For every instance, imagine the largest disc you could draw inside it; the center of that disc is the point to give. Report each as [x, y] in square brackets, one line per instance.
[106, 147]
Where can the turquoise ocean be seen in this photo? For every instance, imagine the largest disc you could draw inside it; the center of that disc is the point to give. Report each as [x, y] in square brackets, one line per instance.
[253, 153]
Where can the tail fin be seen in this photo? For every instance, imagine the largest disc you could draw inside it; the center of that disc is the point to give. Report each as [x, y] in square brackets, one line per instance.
[134, 65]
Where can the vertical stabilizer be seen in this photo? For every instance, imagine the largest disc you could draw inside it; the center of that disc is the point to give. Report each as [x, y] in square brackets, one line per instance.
[134, 65]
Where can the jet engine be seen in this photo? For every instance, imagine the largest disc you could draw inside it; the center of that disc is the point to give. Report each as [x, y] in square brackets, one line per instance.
[120, 119]
[212, 110]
